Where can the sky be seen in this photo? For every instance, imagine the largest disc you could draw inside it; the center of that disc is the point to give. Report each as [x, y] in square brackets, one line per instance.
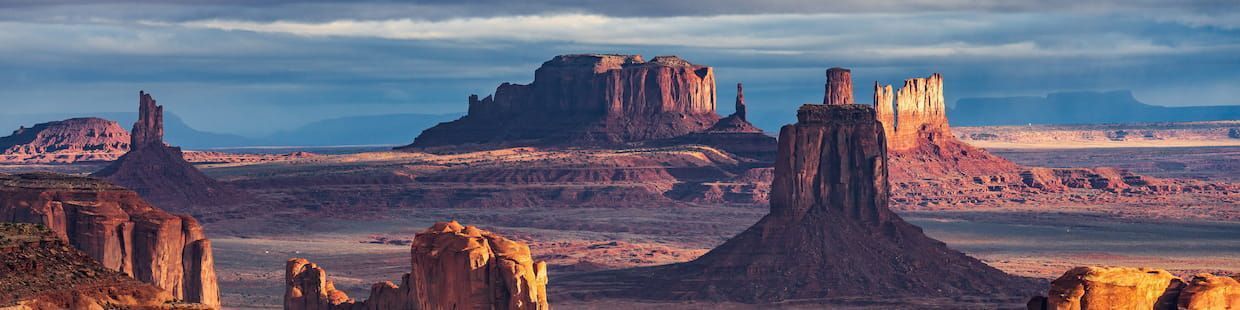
[259, 66]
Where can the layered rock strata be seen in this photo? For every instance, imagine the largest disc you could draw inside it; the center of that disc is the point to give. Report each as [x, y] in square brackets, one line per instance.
[67, 141]
[159, 172]
[453, 267]
[1137, 288]
[118, 228]
[829, 233]
[588, 99]
[38, 270]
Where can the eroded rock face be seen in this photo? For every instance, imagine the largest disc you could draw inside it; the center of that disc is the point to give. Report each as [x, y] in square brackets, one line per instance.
[67, 141]
[118, 228]
[839, 87]
[38, 270]
[453, 267]
[589, 99]
[733, 134]
[159, 172]
[1207, 291]
[830, 232]
[1114, 288]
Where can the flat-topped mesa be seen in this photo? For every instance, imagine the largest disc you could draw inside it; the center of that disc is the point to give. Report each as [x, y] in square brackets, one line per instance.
[830, 232]
[119, 229]
[589, 99]
[149, 129]
[67, 141]
[160, 172]
[839, 87]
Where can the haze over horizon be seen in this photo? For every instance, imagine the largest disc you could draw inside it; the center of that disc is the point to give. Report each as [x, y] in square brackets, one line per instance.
[253, 68]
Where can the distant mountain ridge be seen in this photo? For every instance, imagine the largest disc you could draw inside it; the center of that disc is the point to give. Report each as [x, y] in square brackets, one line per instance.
[1083, 107]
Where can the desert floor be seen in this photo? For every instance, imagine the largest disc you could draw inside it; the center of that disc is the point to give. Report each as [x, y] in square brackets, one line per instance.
[1039, 241]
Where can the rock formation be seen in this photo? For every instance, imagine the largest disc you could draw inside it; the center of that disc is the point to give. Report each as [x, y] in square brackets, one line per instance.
[1136, 288]
[733, 134]
[1207, 291]
[588, 99]
[453, 267]
[39, 271]
[118, 228]
[829, 232]
[159, 172]
[67, 141]
[839, 87]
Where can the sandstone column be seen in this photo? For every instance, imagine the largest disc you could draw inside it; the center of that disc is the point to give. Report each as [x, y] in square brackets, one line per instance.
[839, 87]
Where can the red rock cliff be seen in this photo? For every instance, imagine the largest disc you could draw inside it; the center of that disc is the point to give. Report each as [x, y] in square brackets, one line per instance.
[589, 99]
[453, 267]
[118, 228]
[159, 172]
[40, 271]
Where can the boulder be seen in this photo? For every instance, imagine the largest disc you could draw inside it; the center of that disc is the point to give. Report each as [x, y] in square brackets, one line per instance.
[1207, 291]
[1114, 288]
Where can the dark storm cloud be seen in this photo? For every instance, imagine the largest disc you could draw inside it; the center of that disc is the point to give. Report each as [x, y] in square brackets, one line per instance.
[219, 63]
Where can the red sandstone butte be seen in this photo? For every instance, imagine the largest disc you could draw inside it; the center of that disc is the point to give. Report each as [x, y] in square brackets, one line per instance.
[118, 228]
[159, 172]
[67, 141]
[453, 267]
[829, 233]
[588, 99]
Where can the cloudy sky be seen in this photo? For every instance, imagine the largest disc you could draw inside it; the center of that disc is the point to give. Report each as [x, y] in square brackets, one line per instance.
[253, 67]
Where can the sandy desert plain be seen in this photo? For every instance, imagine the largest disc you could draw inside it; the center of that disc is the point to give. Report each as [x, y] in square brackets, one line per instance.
[359, 232]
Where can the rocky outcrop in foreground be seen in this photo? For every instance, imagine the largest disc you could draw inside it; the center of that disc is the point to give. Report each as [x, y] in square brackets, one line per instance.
[116, 227]
[38, 270]
[67, 141]
[588, 99]
[159, 172]
[829, 233]
[1137, 288]
[453, 267]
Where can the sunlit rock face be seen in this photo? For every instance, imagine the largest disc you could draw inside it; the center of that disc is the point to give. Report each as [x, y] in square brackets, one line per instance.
[589, 99]
[452, 267]
[119, 229]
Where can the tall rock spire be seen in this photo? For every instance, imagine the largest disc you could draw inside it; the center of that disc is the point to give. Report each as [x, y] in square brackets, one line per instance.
[839, 87]
[740, 102]
[150, 126]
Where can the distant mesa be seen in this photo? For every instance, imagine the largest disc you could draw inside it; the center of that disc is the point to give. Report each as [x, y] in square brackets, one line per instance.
[589, 99]
[829, 233]
[1083, 107]
[733, 134]
[116, 227]
[160, 172]
[72, 140]
[453, 267]
[39, 270]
